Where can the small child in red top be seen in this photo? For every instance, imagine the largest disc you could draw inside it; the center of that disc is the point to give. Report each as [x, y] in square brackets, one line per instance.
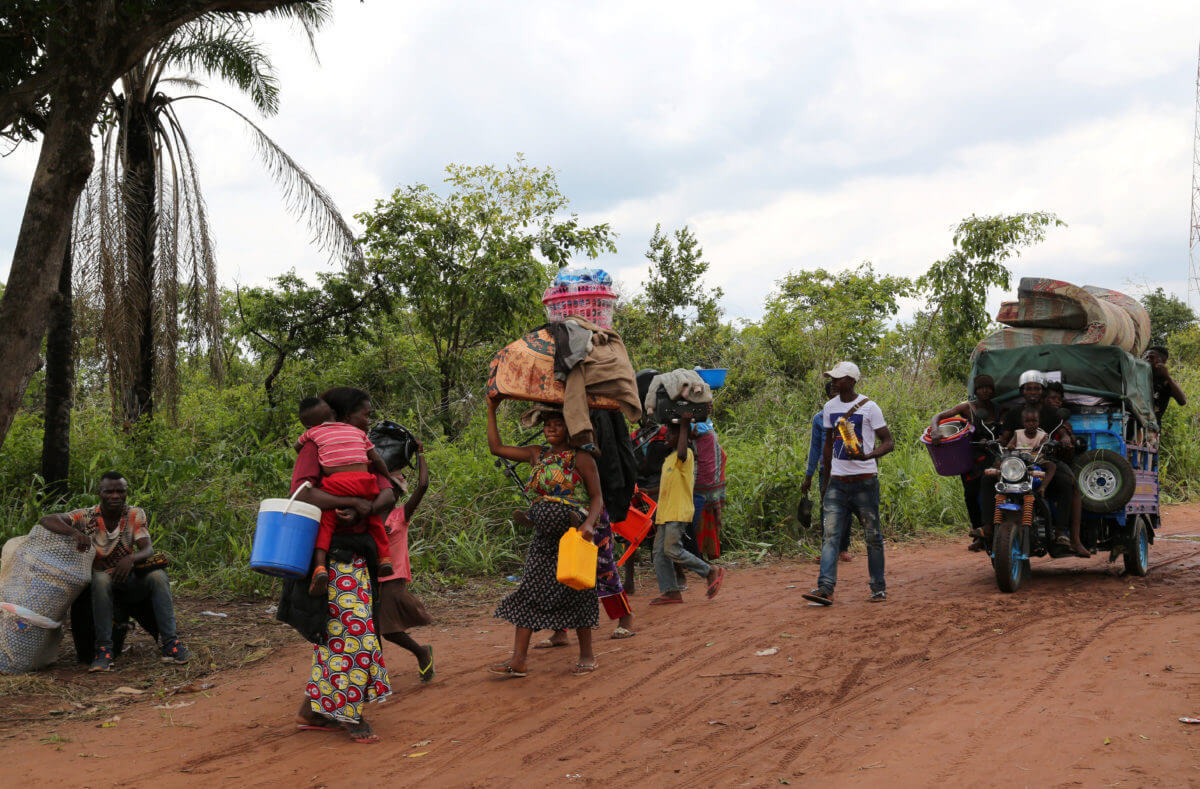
[349, 465]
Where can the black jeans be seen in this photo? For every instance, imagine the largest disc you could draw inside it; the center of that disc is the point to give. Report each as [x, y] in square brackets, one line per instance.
[1062, 491]
[972, 491]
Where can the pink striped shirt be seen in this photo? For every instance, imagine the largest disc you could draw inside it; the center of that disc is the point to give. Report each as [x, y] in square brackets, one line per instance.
[338, 444]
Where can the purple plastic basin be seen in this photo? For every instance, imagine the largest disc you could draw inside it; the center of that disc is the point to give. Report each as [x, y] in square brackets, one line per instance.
[953, 456]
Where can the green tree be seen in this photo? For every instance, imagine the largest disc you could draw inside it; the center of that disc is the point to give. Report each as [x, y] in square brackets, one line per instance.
[1168, 315]
[149, 254]
[676, 319]
[295, 319]
[59, 61]
[472, 265]
[813, 318]
[957, 286]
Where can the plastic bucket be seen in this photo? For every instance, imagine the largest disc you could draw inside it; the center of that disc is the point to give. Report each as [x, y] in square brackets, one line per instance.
[954, 455]
[284, 538]
[714, 377]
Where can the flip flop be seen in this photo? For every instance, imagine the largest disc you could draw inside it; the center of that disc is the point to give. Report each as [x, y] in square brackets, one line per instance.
[582, 668]
[546, 643]
[317, 727]
[368, 737]
[622, 632]
[715, 586]
[426, 674]
[666, 600]
[507, 672]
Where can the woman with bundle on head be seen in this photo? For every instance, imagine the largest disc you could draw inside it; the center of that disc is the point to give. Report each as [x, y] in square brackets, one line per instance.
[541, 602]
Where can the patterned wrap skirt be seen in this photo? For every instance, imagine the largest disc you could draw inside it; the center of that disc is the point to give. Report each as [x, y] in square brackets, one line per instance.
[708, 520]
[608, 578]
[348, 669]
[541, 602]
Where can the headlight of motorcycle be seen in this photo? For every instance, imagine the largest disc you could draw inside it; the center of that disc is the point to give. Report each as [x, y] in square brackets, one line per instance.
[1012, 469]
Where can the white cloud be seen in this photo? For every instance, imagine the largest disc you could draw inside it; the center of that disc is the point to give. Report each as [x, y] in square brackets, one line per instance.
[786, 134]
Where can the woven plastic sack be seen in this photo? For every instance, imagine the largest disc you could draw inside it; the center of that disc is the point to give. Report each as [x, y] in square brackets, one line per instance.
[44, 573]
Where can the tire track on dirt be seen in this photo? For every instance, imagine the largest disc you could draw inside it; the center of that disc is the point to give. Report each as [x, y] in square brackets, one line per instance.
[907, 669]
[978, 733]
[679, 714]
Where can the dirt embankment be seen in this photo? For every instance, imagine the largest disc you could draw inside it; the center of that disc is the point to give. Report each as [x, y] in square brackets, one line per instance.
[1078, 679]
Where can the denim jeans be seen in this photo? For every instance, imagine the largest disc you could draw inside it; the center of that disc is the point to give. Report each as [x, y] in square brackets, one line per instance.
[669, 551]
[844, 546]
[842, 499]
[135, 588]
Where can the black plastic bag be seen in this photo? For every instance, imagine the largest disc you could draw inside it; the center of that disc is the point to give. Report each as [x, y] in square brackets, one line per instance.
[394, 443]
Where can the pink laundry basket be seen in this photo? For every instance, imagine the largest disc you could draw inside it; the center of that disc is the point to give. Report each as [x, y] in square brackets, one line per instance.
[591, 302]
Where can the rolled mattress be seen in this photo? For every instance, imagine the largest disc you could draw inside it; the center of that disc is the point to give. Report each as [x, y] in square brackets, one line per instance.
[1050, 311]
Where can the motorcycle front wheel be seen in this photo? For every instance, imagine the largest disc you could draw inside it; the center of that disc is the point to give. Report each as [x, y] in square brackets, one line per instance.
[1010, 556]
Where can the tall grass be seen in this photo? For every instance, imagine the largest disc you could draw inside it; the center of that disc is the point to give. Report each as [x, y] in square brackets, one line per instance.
[201, 479]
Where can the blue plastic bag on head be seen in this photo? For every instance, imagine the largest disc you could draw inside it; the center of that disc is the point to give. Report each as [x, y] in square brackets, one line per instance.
[580, 275]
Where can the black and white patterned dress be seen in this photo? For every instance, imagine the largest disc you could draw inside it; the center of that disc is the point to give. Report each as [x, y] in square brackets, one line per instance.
[541, 602]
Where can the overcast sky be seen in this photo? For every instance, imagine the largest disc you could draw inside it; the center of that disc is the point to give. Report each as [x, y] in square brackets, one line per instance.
[786, 135]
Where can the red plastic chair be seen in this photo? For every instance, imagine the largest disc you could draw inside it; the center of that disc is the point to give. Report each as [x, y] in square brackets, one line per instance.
[637, 524]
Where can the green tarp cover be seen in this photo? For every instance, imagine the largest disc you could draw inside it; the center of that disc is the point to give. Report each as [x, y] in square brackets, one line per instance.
[1102, 370]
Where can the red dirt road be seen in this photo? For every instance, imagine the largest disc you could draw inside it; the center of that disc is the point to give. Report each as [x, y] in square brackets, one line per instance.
[1078, 679]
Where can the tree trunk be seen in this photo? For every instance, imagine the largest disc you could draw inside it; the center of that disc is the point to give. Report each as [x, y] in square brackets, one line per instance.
[62, 170]
[60, 383]
[445, 384]
[97, 46]
[141, 219]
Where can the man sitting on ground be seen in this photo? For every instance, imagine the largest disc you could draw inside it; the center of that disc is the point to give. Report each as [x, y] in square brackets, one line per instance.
[119, 534]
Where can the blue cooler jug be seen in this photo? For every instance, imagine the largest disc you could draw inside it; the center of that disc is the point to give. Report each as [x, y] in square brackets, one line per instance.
[284, 538]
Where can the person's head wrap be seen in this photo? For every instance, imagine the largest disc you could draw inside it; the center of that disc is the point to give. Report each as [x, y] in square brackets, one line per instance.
[538, 414]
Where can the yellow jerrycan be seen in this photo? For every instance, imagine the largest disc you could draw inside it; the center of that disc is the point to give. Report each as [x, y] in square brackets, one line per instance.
[576, 561]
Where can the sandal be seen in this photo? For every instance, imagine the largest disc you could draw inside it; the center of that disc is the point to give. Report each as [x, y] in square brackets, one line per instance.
[584, 668]
[547, 643]
[664, 600]
[320, 581]
[622, 632]
[426, 673]
[715, 586]
[507, 672]
[317, 727]
[363, 734]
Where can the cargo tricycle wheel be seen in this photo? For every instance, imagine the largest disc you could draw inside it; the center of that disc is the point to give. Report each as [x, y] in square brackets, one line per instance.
[1137, 550]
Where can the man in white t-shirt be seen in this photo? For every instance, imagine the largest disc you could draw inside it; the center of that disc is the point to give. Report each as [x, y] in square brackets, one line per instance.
[853, 480]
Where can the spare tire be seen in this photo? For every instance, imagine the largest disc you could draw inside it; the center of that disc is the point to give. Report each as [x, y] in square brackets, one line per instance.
[1105, 480]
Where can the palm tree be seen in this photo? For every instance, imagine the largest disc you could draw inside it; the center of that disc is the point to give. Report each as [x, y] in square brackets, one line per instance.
[144, 250]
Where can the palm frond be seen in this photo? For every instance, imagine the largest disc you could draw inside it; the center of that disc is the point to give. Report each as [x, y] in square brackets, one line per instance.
[187, 82]
[309, 16]
[303, 196]
[228, 51]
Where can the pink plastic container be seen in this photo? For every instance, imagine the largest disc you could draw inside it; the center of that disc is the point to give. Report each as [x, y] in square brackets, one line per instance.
[954, 454]
[594, 303]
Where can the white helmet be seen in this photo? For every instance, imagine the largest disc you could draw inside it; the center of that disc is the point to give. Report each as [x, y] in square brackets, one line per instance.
[1031, 377]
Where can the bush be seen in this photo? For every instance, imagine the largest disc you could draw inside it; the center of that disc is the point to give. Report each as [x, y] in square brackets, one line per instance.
[200, 479]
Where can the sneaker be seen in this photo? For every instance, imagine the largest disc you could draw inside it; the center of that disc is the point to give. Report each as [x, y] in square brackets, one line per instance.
[820, 596]
[103, 660]
[877, 597]
[175, 652]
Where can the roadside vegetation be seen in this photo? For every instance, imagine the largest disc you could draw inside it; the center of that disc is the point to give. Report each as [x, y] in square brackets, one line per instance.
[401, 324]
